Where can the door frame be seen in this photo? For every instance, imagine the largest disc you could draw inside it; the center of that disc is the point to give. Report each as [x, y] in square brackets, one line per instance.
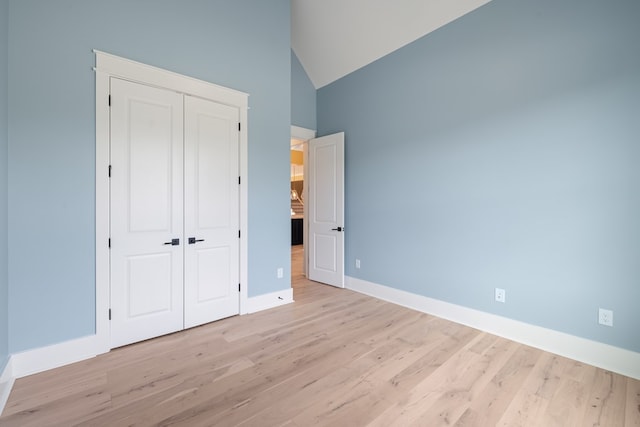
[108, 66]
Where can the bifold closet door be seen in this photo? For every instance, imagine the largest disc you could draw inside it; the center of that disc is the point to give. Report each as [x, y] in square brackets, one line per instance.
[146, 212]
[212, 203]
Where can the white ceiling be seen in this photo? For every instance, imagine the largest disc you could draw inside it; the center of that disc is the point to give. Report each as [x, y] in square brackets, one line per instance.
[333, 38]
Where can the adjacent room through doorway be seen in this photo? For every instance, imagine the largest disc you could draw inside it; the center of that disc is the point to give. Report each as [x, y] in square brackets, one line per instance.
[297, 209]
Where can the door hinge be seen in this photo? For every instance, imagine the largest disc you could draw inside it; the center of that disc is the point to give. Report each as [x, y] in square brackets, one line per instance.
[109, 314]
[238, 180]
[238, 127]
[109, 100]
[238, 287]
[109, 242]
[109, 171]
[238, 234]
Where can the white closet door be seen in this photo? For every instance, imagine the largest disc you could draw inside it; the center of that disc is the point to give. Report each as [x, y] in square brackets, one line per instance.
[211, 209]
[146, 212]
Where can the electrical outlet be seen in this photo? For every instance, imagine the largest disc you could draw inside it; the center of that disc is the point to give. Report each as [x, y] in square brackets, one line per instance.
[357, 263]
[501, 295]
[280, 273]
[605, 317]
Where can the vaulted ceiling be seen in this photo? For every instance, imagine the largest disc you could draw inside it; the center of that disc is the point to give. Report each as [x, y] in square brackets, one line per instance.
[333, 38]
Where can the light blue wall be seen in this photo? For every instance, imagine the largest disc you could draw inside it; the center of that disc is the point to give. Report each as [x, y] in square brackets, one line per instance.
[502, 151]
[4, 284]
[303, 96]
[242, 44]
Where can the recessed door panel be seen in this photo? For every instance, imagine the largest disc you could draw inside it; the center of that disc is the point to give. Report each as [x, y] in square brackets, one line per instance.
[150, 147]
[326, 249]
[146, 212]
[325, 209]
[213, 274]
[213, 172]
[148, 285]
[212, 202]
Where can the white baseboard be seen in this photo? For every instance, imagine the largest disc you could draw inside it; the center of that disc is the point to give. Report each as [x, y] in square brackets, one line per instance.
[53, 356]
[594, 353]
[267, 301]
[6, 384]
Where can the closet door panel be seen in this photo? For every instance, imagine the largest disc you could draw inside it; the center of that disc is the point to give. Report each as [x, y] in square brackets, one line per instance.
[146, 212]
[211, 211]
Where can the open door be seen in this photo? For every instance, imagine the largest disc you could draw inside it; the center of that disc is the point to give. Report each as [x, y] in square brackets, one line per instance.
[326, 209]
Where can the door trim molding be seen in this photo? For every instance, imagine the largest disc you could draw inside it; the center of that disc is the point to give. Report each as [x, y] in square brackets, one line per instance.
[108, 66]
[302, 133]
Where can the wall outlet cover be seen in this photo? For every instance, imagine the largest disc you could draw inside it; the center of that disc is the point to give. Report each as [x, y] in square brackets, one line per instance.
[605, 317]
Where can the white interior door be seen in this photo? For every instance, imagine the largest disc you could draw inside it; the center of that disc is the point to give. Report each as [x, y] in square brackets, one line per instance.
[146, 212]
[211, 211]
[326, 209]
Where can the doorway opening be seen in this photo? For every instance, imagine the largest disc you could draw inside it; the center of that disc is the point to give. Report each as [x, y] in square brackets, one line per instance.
[322, 202]
[298, 192]
[297, 195]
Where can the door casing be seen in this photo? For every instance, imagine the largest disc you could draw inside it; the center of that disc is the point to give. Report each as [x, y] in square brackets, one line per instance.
[108, 66]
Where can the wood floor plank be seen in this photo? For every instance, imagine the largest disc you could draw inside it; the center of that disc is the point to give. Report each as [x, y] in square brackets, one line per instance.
[468, 382]
[334, 358]
[67, 410]
[496, 397]
[607, 400]
[285, 358]
[632, 411]
[51, 391]
[526, 409]
[382, 364]
[546, 375]
[302, 385]
[288, 398]
[568, 404]
[385, 360]
[449, 390]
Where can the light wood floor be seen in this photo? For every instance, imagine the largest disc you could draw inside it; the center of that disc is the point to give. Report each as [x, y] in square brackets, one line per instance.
[334, 357]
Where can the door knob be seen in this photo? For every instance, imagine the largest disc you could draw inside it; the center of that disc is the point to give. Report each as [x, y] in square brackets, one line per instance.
[193, 240]
[173, 242]
[337, 229]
